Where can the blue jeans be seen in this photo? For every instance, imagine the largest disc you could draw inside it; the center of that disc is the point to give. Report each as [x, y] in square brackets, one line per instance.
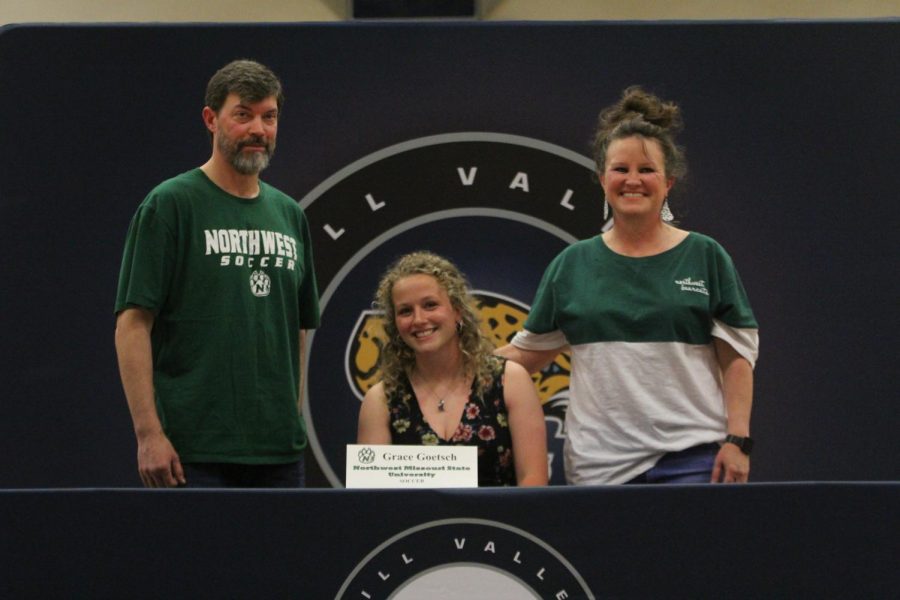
[231, 475]
[693, 465]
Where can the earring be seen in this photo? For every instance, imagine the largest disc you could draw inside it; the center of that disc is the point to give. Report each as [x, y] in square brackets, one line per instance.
[459, 325]
[666, 212]
[605, 210]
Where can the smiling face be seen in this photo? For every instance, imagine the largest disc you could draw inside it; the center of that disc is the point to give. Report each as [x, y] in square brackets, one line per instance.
[244, 132]
[634, 178]
[423, 313]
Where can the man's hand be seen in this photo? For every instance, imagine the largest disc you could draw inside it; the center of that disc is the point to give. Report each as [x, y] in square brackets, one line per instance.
[158, 463]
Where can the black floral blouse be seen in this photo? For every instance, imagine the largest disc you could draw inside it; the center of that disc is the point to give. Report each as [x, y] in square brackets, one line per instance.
[484, 424]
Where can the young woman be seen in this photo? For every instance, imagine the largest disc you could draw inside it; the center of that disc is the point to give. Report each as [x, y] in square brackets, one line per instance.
[441, 384]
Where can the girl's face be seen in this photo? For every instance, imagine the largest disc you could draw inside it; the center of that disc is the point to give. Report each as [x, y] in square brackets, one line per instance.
[425, 317]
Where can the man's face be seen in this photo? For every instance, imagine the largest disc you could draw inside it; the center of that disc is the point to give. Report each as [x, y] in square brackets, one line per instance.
[244, 133]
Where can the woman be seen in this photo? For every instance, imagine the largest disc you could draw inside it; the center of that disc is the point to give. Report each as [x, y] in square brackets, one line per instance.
[441, 384]
[662, 336]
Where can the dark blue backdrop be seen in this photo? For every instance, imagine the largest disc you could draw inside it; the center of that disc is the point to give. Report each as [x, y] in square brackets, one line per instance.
[791, 133]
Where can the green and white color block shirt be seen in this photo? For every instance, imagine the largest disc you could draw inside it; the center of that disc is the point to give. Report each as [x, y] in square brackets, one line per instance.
[645, 379]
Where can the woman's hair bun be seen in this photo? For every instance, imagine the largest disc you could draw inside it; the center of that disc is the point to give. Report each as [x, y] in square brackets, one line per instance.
[640, 113]
[638, 103]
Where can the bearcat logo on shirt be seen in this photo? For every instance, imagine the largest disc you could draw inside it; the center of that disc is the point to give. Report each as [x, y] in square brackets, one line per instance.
[500, 319]
[499, 206]
[260, 284]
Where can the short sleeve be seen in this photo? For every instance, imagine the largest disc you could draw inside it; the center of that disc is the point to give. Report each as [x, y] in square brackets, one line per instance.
[731, 305]
[542, 318]
[146, 270]
[733, 320]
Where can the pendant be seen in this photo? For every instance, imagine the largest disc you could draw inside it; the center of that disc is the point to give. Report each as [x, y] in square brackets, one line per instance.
[441, 405]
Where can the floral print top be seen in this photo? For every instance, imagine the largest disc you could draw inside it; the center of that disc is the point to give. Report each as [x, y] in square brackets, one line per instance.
[484, 424]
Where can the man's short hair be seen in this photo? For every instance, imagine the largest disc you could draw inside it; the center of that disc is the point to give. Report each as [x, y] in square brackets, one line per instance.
[250, 80]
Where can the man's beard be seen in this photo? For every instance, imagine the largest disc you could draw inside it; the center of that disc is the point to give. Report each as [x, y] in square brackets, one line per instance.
[246, 163]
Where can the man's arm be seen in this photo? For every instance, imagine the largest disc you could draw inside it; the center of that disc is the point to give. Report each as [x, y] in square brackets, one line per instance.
[302, 368]
[158, 463]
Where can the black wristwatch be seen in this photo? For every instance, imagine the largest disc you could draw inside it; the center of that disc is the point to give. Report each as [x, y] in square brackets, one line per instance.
[744, 443]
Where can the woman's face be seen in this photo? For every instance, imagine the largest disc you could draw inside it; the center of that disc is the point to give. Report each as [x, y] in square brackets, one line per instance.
[425, 317]
[634, 179]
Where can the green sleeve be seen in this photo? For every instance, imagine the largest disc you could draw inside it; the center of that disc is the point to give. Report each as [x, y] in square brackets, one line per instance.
[542, 317]
[146, 270]
[731, 305]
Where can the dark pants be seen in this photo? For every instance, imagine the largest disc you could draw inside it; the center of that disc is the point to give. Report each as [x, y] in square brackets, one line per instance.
[693, 465]
[230, 475]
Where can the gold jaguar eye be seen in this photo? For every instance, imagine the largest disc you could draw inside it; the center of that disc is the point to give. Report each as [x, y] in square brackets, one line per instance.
[365, 350]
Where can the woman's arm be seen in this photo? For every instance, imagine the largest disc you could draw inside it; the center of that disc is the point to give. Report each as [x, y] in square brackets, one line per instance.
[374, 418]
[532, 360]
[732, 465]
[527, 427]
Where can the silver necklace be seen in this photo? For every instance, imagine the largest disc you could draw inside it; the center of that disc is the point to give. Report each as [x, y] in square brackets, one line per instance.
[441, 399]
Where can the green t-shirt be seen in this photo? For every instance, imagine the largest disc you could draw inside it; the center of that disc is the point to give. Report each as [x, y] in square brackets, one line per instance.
[592, 294]
[231, 284]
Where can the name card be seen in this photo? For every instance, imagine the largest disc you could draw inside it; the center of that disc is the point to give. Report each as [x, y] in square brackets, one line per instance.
[386, 466]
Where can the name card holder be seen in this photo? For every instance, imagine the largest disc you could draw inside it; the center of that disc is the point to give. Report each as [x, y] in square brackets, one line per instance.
[387, 466]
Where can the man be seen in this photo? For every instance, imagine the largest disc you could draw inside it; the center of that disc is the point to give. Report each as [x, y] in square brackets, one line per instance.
[215, 292]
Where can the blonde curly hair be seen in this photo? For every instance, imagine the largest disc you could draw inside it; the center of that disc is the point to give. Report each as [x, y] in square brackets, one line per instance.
[397, 359]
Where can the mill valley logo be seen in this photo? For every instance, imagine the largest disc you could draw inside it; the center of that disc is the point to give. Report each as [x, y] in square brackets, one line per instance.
[499, 206]
[476, 558]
